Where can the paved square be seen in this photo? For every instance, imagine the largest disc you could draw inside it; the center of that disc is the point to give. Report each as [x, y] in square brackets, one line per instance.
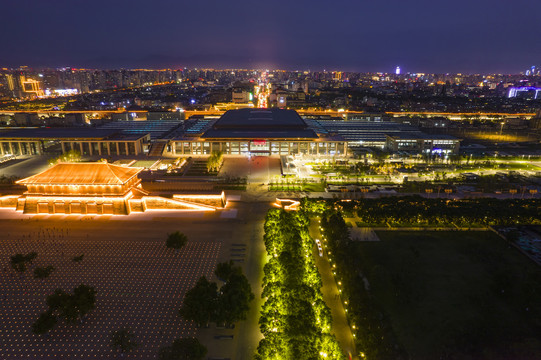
[258, 169]
[139, 282]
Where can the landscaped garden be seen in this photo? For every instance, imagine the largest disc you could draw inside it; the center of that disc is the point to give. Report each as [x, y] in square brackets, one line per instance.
[206, 167]
[410, 211]
[434, 295]
[291, 183]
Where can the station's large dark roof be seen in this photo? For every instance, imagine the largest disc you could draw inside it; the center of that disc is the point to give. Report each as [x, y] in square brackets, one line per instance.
[260, 124]
[248, 119]
[259, 134]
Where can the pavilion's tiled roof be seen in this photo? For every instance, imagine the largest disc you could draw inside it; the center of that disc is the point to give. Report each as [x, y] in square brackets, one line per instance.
[83, 174]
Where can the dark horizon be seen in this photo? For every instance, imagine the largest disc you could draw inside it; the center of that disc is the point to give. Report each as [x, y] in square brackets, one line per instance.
[254, 66]
[482, 37]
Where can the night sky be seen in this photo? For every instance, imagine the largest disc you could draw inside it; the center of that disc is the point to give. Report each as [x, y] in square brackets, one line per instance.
[466, 36]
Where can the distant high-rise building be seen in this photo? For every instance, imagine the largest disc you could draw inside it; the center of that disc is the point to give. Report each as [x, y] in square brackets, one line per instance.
[397, 70]
[32, 86]
[534, 70]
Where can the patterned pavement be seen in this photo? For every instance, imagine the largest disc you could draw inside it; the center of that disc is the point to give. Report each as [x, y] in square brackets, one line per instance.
[139, 282]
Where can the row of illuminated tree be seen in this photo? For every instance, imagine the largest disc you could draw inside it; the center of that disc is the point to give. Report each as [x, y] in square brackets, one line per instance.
[215, 161]
[295, 321]
[419, 211]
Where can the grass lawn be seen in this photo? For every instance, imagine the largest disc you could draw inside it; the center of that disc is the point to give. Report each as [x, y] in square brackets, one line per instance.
[314, 187]
[455, 295]
[144, 163]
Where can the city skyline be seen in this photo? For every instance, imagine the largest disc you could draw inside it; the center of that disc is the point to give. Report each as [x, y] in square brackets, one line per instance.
[425, 37]
[301, 180]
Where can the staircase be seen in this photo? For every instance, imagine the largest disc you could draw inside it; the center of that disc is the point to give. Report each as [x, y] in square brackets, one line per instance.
[157, 149]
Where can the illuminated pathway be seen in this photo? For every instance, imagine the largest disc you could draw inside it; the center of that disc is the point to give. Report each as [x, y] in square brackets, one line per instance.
[331, 296]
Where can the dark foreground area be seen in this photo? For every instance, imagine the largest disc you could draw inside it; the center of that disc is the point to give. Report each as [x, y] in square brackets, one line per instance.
[454, 295]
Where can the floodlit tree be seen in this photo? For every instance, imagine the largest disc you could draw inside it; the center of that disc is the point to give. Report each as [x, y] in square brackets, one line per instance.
[199, 303]
[183, 349]
[294, 318]
[176, 240]
[215, 160]
[43, 272]
[123, 340]
[68, 156]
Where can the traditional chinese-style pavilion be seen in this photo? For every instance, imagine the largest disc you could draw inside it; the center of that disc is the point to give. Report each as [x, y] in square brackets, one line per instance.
[97, 188]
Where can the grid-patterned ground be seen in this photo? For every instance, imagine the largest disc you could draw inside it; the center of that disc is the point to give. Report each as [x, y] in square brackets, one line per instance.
[139, 282]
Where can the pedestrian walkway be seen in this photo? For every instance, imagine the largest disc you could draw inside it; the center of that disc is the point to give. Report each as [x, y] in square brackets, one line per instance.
[331, 296]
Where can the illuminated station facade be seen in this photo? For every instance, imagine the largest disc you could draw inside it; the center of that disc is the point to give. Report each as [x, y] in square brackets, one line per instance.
[248, 132]
[262, 132]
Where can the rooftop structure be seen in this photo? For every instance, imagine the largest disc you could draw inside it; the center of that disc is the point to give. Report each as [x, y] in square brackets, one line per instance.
[156, 128]
[360, 133]
[260, 123]
[83, 174]
[260, 119]
[423, 143]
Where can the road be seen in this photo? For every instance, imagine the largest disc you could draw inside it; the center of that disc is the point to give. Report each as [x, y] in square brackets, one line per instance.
[331, 296]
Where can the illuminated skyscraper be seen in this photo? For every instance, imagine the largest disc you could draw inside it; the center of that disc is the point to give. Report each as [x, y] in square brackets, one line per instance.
[397, 71]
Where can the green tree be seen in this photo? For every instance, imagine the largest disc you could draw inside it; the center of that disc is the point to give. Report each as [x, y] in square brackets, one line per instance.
[57, 300]
[84, 298]
[31, 256]
[234, 299]
[183, 349]
[72, 306]
[69, 156]
[226, 269]
[176, 240]
[215, 160]
[18, 262]
[43, 272]
[199, 303]
[123, 340]
[44, 323]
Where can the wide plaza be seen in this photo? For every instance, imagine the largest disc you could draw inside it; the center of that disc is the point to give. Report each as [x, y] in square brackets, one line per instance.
[140, 283]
